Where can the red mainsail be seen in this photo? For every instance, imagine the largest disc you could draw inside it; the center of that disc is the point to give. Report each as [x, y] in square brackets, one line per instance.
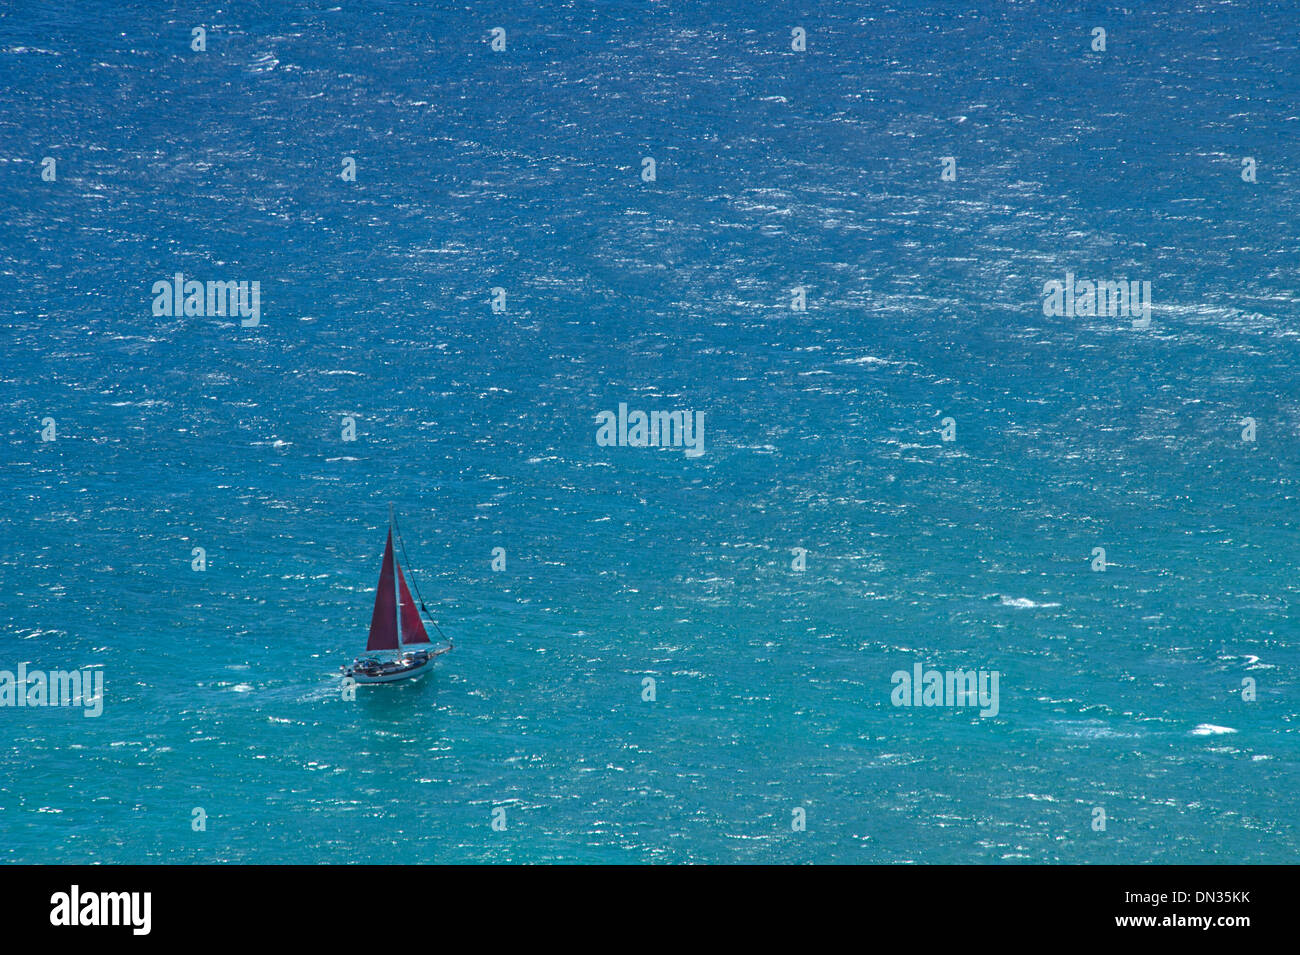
[383, 622]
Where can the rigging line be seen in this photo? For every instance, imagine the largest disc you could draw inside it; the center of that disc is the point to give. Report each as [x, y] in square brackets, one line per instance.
[402, 543]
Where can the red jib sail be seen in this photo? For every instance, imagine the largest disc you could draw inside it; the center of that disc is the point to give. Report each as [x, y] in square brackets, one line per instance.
[383, 622]
[412, 627]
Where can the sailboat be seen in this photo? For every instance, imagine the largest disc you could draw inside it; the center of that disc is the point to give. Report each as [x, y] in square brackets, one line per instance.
[399, 646]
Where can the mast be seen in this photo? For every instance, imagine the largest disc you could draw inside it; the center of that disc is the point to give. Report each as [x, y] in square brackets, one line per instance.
[397, 593]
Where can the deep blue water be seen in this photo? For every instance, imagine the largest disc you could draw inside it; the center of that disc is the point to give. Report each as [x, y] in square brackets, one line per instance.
[521, 170]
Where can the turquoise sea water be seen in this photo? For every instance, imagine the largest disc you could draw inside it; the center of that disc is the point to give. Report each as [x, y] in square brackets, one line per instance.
[775, 169]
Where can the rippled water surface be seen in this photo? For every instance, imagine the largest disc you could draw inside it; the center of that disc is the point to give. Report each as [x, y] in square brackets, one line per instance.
[775, 169]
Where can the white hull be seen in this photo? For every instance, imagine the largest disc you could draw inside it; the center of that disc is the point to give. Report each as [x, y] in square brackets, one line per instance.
[390, 676]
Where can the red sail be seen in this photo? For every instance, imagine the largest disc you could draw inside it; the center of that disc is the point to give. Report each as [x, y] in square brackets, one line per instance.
[412, 627]
[383, 623]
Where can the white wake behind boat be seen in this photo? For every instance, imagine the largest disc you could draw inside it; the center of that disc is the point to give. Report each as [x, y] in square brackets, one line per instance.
[399, 646]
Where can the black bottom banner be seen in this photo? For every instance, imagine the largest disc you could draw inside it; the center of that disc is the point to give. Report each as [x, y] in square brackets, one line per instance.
[1220, 905]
